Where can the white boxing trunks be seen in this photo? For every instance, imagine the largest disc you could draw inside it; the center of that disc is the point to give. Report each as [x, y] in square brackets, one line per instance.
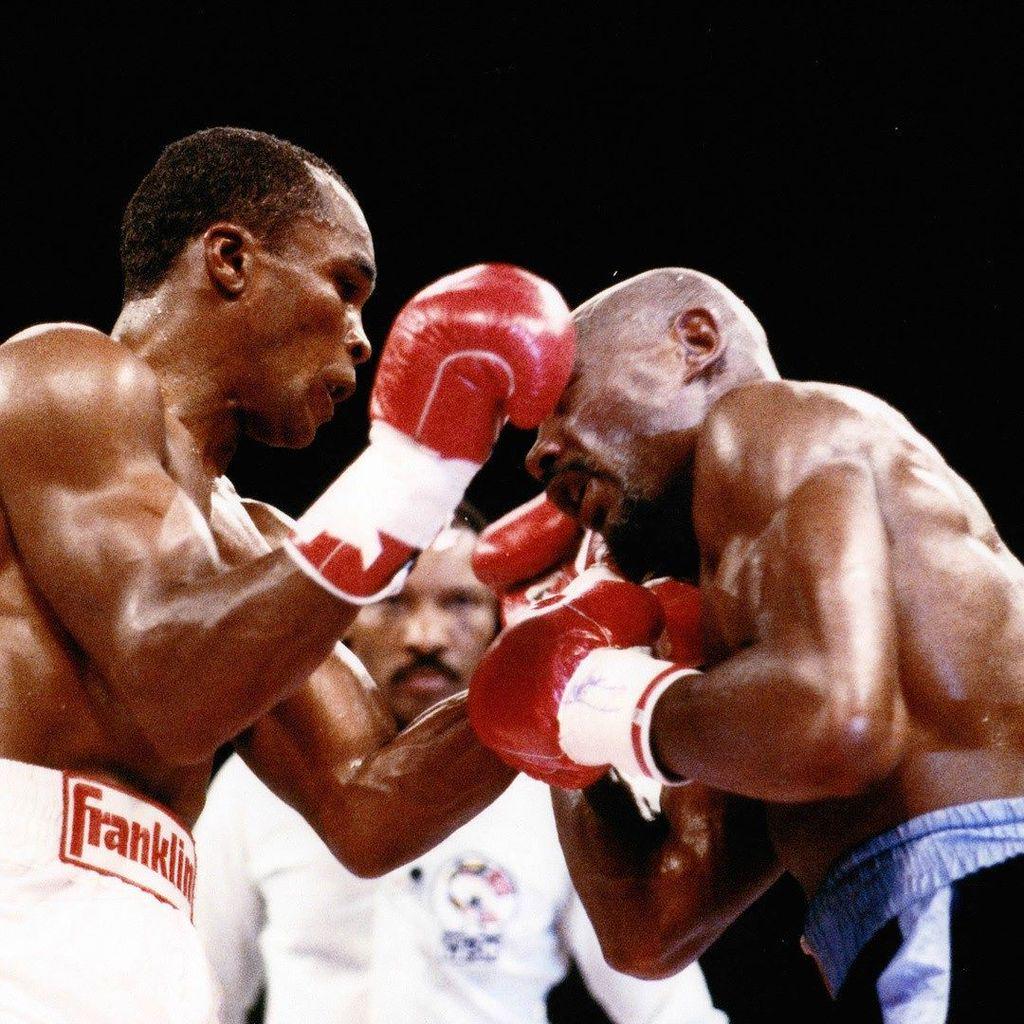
[96, 889]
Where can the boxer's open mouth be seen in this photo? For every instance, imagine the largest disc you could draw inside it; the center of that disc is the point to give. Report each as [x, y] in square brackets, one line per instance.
[341, 391]
[593, 508]
[322, 403]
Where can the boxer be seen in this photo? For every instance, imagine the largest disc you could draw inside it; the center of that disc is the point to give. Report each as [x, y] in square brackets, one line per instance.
[856, 717]
[145, 618]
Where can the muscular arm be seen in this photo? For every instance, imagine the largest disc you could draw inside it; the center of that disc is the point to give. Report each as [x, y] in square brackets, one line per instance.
[808, 707]
[378, 798]
[191, 652]
[660, 892]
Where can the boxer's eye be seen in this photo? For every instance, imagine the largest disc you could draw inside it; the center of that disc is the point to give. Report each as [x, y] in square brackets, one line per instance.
[348, 289]
[460, 600]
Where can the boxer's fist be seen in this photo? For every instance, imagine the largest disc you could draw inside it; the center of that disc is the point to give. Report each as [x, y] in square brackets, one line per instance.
[524, 544]
[473, 349]
[476, 348]
[526, 555]
[532, 673]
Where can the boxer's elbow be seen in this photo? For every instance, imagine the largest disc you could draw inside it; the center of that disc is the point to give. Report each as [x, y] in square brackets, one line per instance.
[359, 860]
[652, 956]
[361, 833]
[364, 851]
[855, 744]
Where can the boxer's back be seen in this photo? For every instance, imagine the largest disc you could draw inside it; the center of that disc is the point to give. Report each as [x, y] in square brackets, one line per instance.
[57, 709]
[955, 593]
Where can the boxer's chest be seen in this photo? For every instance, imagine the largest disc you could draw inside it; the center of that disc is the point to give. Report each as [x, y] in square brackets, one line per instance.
[234, 535]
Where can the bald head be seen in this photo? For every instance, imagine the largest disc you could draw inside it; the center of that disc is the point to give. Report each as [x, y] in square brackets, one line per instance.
[677, 305]
[653, 355]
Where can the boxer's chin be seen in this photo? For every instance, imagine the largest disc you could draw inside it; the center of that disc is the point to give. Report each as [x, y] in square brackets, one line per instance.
[651, 538]
[296, 430]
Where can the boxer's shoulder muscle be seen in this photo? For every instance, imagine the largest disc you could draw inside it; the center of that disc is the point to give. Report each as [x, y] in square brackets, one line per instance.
[761, 442]
[65, 387]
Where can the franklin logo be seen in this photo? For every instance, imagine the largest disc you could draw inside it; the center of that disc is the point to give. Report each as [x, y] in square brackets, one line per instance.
[115, 833]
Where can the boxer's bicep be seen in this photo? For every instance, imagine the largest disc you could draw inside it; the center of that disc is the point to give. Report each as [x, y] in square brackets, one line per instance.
[806, 704]
[826, 595]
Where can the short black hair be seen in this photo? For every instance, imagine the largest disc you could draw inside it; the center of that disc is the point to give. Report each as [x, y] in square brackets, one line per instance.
[250, 177]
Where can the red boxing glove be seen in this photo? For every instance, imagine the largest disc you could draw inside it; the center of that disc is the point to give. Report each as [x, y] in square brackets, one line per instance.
[527, 555]
[478, 347]
[524, 693]
[682, 639]
[524, 544]
[467, 353]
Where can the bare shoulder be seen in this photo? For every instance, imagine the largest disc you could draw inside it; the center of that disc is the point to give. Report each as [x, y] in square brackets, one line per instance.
[799, 422]
[760, 441]
[71, 367]
[68, 388]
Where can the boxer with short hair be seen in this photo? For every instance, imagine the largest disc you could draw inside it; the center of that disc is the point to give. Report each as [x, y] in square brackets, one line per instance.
[856, 717]
[146, 619]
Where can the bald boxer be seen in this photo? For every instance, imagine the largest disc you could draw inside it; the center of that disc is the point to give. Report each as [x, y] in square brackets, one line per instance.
[144, 618]
[858, 717]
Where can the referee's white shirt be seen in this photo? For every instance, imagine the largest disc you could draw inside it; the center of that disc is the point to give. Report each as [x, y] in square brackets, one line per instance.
[475, 932]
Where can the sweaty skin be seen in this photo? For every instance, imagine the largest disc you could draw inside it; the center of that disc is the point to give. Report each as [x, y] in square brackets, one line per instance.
[863, 630]
[135, 640]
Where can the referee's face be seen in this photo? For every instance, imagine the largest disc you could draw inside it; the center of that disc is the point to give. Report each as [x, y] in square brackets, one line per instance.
[423, 644]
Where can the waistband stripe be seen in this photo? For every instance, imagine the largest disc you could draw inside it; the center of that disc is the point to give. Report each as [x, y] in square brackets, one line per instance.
[111, 831]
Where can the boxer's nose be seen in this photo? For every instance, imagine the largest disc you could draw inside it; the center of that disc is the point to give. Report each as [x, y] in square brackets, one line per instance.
[426, 631]
[541, 458]
[356, 343]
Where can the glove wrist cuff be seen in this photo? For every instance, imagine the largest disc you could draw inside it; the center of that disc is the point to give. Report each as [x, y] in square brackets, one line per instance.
[391, 502]
[605, 713]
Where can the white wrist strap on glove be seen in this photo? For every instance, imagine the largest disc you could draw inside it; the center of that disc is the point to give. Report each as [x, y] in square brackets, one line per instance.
[605, 713]
[395, 487]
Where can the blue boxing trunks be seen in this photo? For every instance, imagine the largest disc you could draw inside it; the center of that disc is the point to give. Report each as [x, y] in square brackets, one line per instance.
[909, 927]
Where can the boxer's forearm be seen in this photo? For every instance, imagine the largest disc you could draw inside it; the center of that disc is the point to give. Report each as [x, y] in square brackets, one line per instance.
[659, 893]
[382, 808]
[612, 854]
[201, 665]
[405, 798]
[774, 726]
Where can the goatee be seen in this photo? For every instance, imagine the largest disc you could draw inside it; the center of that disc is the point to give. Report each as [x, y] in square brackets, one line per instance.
[649, 538]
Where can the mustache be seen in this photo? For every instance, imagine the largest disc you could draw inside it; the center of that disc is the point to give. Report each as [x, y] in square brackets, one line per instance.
[429, 663]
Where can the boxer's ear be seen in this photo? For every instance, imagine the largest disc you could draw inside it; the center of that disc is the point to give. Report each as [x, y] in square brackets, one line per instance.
[698, 334]
[228, 251]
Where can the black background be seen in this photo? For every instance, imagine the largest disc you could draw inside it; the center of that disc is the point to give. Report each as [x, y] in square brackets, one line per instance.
[851, 170]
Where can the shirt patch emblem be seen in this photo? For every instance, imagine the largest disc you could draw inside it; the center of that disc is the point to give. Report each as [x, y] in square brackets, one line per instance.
[473, 897]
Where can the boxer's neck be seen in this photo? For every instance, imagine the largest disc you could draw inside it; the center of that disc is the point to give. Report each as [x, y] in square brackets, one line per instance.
[173, 340]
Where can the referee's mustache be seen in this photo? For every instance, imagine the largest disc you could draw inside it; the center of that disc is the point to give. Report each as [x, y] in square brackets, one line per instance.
[425, 663]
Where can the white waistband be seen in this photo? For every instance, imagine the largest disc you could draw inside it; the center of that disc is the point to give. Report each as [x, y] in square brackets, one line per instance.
[49, 816]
